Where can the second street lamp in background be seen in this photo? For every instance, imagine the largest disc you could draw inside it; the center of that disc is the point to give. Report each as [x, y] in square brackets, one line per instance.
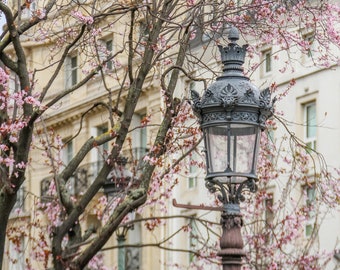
[118, 179]
[116, 183]
[232, 114]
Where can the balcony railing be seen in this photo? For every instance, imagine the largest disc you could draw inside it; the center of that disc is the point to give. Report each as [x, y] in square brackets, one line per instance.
[85, 174]
[77, 184]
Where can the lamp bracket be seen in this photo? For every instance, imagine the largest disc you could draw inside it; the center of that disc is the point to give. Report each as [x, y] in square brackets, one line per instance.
[231, 193]
[196, 207]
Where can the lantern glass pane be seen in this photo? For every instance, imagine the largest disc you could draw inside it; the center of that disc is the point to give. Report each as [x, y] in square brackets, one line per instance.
[232, 149]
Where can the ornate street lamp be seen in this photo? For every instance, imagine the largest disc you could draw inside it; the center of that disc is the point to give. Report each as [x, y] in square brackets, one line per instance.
[232, 114]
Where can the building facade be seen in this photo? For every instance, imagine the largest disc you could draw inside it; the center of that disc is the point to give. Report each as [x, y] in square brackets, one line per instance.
[308, 100]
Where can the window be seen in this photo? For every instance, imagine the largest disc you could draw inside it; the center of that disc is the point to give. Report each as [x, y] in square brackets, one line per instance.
[99, 154]
[271, 133]
[13, 82]
[16, 253]
[310, 202]
[105, 50]
[74, 70]
[192, 183]
[193, 238]
[109, 47]
[267, 61]
[269, 216]
[269, 213]
[143, 31]
[71, 71]
[46, 194]
[192, 86]
[104, 148]
[142, 35]
[309, 40]
[29, 11]
[20, 203]
[13, 87]
[193, 171]
[67, 153]
[138, 136]
[310, 125]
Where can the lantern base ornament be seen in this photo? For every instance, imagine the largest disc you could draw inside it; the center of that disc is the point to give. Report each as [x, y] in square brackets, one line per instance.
[231, 242]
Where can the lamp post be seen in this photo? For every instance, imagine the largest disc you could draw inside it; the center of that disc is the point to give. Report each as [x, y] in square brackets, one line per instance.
[121, 239]
[232, 114]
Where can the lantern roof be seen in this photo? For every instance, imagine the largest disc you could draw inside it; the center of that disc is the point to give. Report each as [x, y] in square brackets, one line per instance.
[232, 97]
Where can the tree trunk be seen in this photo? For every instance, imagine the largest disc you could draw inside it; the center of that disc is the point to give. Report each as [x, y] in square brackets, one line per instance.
[7, 202]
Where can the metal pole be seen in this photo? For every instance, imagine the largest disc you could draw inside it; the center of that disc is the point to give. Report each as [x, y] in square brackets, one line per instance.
[121, 251]
[231, 242]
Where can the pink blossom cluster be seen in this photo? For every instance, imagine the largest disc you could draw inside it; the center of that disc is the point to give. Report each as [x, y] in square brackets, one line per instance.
[81, 17]
[285, 230]
[11, 130]
[99, 208]
[53, 210]
[20, 98]
[109, 208]
[40, 13]
[190, 3]
[7, 161]
[4, 77]
[295, 20]
[97, 263]
[193, 34]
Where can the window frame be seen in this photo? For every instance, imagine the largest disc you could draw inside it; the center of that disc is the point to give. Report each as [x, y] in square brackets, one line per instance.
[192, 176]
[139, 136]
[71, 71]
[310, 141]
[67, 153]
[267, 61]
[105, 50]
[109, 49]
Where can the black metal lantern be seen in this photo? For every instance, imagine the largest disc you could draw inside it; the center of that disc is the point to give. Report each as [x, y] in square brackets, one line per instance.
[232, 114]
[118, 179]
